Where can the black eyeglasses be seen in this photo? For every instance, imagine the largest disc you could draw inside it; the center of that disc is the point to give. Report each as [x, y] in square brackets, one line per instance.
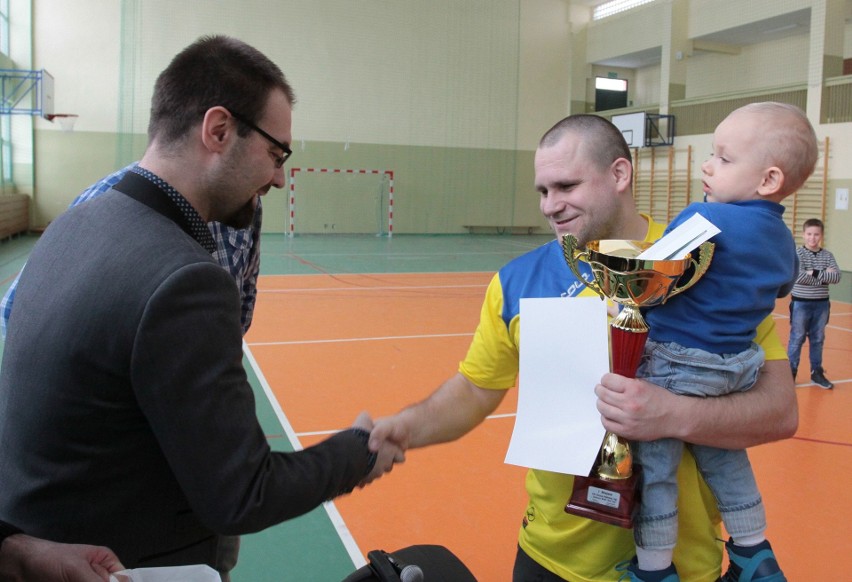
[279, 160]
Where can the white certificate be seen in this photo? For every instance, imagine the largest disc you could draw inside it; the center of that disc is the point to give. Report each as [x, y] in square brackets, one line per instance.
[563, 354]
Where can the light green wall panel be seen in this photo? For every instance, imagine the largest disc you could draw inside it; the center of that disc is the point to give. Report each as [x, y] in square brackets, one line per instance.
[436, 190]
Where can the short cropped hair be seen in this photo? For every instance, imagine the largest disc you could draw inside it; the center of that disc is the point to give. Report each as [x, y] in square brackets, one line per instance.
[791, 143]
[606, 141]
[813, 222]
[214, 70]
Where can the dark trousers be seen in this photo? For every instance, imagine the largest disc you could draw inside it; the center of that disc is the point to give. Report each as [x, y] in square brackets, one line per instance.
[528, 570]
[226, 556]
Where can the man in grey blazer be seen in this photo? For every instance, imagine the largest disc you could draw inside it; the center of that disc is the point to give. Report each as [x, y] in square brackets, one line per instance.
[126, 418]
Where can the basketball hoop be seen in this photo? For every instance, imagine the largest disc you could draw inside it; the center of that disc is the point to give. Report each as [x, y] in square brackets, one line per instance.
[66, 120]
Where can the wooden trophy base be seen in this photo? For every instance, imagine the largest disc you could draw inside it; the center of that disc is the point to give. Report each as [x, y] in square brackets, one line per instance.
[606, 500]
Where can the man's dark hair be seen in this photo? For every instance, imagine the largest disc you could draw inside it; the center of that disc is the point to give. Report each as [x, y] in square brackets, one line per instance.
[214, 70]
[813, 222]
[605, 139]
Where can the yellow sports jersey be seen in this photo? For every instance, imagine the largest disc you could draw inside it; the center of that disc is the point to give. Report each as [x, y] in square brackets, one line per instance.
[575, 548]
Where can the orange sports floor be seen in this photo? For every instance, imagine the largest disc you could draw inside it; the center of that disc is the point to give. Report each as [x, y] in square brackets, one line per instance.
[330, 346]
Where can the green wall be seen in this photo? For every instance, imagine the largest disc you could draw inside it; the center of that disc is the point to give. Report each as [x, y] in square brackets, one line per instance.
[436, 190]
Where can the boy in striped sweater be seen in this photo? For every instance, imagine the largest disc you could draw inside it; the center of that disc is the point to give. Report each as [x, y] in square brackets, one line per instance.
[809, 304]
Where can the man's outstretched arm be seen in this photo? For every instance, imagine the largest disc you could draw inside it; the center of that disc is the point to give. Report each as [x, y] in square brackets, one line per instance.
[450, 412]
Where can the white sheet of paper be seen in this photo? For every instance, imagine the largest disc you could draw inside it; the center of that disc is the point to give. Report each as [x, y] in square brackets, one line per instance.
[683, 239]
[564, 353]
[194, 573]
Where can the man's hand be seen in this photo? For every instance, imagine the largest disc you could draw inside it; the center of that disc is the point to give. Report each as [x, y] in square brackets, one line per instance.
[25, 558]
[390, 429]
[634, 409]
[639, 410]
[387, 452]
[387, 456]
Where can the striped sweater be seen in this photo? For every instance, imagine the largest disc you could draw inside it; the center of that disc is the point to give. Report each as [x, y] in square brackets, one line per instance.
[814, 288]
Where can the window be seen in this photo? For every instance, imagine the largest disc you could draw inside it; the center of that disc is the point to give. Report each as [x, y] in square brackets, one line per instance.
[610, 93]
[610, 84]
[616, 6]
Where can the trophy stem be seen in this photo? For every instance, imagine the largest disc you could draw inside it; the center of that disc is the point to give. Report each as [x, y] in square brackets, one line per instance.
[628, 334]
[625, 359]
[628, 338]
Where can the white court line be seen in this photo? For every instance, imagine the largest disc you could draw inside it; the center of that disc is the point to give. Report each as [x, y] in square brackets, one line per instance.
[361, 339]
[328, 432]
[402, 255]
[361, 288]
[837, 327]
[333, 514]
[835, 382]
[407, 255]
[829, 326]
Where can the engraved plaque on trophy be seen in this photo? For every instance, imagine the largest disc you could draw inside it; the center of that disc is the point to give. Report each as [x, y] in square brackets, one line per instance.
[610, 493]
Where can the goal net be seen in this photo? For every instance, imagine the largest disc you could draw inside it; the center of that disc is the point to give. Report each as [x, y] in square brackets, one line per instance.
[340, 201]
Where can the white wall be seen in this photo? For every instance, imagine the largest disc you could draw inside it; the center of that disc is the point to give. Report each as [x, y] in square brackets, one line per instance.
[847, 40]
[626, 33]
[78, 43]
[758, 66]
[544, 81]
[438, 73]
[708, 16]
[647, 86]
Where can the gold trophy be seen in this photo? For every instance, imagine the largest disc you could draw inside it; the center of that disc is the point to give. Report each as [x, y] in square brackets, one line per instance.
[611, 492]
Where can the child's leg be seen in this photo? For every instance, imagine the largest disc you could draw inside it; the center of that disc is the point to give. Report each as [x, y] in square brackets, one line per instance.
[728, 474]
[655, 528]
[688, 371]
[816, 332]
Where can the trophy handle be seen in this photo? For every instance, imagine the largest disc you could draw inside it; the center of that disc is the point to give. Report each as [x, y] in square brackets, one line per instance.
[572, 255]
[705, 254]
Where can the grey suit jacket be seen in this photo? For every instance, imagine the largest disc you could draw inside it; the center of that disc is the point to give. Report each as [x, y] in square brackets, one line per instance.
[126, 418]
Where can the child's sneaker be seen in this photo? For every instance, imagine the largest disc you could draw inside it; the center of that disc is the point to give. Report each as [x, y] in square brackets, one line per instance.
[630, 572]
[759, 565]
[818, 378]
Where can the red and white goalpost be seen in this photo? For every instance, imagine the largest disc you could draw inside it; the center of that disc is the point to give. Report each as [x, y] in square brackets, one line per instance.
[293, 171]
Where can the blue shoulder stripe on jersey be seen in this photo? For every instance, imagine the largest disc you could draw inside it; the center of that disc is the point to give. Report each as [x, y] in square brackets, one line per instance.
[542, 272]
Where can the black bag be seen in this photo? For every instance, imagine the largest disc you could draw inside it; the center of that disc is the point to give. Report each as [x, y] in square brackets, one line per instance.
[420, 563]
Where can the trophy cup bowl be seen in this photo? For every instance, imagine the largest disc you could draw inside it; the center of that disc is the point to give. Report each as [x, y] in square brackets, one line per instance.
[611, 492]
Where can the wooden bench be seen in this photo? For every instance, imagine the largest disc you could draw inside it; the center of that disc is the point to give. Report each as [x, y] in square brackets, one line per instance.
[14, 214]
[501, 229]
